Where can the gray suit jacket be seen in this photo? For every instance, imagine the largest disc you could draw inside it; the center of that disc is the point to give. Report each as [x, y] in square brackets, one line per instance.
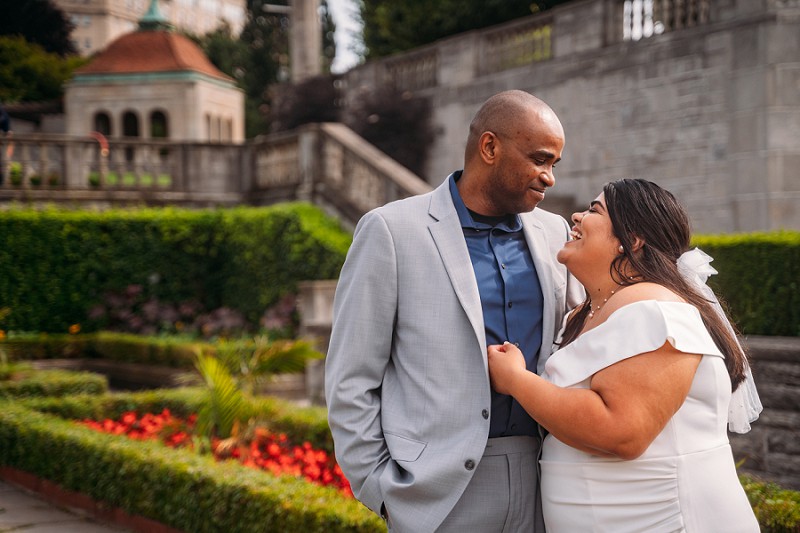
[406, 375]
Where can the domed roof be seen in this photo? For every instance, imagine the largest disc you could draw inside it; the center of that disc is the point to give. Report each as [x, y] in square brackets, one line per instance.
[146, 51]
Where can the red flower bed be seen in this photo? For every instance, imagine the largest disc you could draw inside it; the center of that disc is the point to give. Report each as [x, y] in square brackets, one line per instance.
[265, 451]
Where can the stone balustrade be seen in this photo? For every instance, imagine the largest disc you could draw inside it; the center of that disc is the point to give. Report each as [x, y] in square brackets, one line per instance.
[327, 164]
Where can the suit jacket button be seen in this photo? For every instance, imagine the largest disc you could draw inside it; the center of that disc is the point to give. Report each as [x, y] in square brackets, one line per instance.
[485, 414]
[469, 464]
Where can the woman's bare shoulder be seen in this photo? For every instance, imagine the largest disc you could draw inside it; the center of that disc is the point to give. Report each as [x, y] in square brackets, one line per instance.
[640, 292]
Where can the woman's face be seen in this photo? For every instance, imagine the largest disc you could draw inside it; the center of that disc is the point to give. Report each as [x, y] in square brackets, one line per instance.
[593, 244]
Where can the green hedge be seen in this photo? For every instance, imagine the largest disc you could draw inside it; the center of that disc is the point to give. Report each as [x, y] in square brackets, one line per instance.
[299, 423]
[777, 509]
[33, 383]
[127, 348]
[55, 265]
[165, 484]
[178, 488]
[759, 277]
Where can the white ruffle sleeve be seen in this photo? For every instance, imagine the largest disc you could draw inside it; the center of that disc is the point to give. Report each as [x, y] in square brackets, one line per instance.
[631, 330]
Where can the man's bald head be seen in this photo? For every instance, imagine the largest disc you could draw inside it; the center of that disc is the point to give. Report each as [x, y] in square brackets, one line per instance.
[502, 111]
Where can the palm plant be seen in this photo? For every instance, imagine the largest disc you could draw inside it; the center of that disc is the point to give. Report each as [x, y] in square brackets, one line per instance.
[254, 362]
[226, 403]
[232, 375]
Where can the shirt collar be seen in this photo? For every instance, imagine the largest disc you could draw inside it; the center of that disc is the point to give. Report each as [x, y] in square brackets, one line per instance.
[463, 213]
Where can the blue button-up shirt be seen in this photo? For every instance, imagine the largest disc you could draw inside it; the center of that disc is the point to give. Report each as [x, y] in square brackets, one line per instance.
[511, 298]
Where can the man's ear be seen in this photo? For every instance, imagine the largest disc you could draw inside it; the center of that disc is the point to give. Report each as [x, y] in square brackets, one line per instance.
[487, 147]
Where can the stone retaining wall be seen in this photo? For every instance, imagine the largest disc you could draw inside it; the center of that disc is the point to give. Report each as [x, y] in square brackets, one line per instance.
[772, 448]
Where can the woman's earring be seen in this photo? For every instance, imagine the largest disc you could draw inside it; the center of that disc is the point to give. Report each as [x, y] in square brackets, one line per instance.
[621, 249]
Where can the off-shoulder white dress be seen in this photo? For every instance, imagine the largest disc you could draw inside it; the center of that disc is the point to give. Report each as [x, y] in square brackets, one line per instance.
[686, 480]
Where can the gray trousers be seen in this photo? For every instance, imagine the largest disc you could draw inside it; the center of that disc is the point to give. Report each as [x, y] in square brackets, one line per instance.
[503, 495]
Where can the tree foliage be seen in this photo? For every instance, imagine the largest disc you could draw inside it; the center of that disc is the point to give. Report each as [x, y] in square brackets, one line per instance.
[390, 27]
[30, 74]
[40, 22]
[385, 117]
[259, 57]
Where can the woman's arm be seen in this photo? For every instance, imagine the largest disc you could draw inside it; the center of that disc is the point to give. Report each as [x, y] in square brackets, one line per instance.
[627, 406]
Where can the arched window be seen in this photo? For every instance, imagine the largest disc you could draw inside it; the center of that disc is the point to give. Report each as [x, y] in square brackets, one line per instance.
[208, 127]
[159, 127]
[130, 124]
[102, 123]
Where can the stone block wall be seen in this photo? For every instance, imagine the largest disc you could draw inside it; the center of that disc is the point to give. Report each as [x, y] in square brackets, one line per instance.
[771, 450]
[710, 110]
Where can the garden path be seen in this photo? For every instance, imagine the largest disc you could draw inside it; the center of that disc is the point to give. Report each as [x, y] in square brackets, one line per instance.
[22, 510]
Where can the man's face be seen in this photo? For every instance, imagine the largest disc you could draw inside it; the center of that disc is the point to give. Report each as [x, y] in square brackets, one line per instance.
[527, 153]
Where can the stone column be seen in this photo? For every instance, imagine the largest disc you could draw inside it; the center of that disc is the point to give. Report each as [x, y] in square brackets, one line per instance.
[315, 304]
[305, 40]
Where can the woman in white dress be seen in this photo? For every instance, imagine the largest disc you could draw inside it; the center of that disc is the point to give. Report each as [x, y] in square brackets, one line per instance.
[636, 398]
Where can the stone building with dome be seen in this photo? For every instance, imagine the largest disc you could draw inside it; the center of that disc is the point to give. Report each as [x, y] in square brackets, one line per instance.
[154, 83]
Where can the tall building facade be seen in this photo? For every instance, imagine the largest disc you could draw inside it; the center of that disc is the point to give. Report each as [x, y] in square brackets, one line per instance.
[98, 22]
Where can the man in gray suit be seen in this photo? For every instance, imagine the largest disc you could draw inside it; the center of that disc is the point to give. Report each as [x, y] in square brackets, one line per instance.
[430, 282]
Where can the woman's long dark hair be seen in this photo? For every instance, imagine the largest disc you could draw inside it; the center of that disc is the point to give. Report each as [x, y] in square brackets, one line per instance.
[640, 208]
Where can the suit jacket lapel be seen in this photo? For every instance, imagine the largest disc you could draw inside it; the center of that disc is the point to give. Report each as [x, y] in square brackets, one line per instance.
[542, 260]
[449, 239]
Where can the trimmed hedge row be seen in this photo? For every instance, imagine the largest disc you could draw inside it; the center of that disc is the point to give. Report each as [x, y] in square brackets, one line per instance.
[299, 423]
[777, 509]
[28, 383]
[176, 487]
[55, 264]
[759, 277]
[164, 481]
[120, 347]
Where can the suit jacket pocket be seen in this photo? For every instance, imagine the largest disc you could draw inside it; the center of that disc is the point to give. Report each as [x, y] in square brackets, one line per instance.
[402, 448]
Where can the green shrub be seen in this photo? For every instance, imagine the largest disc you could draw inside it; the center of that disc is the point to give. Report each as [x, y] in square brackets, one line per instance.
[777, 509]
[145, 350]
[759, 278]
[9, 369]
[26, 382]
[299, 423]
[15, 175]
[57, 265]
[181, 402]
[176, 487]
[165, 351]
[43, 346]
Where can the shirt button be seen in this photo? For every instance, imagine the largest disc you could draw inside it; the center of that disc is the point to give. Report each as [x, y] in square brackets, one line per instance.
[516, 344]
[469, 464]
[503, 266]
[510, 304]
[485, 414]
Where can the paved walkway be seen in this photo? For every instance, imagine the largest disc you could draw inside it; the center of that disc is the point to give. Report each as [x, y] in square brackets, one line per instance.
[26, 512]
